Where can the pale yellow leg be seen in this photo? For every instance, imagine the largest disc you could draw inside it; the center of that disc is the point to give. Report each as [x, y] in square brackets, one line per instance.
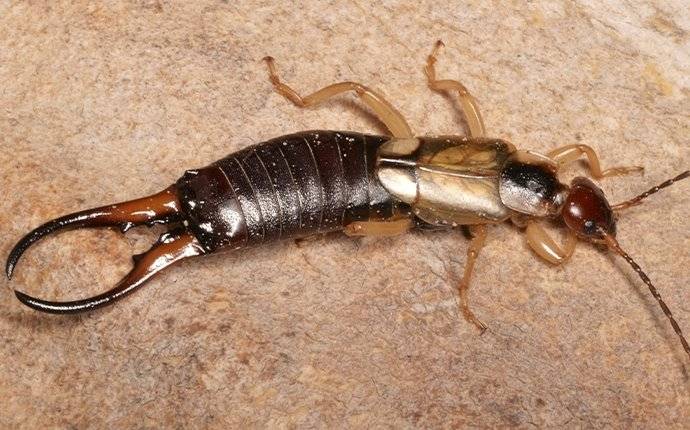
[389, 115]
[545, 247]
[476, 244]
[569, 153]
[378, 228]
[469, 105]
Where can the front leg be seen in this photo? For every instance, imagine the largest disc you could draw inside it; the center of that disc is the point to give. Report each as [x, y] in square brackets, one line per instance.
[569, 153]
[547, 248]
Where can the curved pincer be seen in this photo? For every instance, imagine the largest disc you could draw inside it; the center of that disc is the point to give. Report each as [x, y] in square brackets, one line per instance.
[162, 207]
[170, 248]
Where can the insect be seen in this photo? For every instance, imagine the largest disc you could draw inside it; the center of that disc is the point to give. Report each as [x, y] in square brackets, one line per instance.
[365, 185]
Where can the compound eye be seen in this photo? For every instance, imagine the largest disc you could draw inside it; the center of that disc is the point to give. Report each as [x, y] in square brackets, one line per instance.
[586, 210]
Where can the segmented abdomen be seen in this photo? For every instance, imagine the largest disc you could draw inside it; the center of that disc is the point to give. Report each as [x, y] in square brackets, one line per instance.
[289, 187]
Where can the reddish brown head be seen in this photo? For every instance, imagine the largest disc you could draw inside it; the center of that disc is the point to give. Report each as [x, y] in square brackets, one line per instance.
[587, 212]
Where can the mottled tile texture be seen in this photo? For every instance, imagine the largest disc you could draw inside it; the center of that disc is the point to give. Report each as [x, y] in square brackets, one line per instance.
[101, 103]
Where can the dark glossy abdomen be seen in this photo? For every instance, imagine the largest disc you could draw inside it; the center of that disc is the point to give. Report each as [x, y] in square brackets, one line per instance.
[289, 187]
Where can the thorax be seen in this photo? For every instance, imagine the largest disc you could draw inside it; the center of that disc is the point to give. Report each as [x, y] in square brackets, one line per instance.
[447, 180]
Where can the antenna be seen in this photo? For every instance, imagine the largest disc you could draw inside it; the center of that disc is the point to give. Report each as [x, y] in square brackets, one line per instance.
[636, 200]
[613, 244]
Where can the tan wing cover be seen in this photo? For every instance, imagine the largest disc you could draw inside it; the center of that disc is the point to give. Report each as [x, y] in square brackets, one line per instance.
[447, 180]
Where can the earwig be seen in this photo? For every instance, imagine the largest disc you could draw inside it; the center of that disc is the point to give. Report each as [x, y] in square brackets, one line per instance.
[315, 182]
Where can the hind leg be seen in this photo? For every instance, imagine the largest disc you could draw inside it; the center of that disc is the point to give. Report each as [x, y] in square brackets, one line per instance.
[470, 108]
[385, 111]
[378, 228]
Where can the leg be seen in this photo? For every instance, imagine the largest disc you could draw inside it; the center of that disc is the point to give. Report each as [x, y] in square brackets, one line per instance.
[476, 244]
[469, 105]
[389, 115]
[378, 228]
[545, 247]
[569, 153]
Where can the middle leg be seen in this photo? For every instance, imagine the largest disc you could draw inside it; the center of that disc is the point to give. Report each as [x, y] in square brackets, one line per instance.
[469, 105]
[476, 245]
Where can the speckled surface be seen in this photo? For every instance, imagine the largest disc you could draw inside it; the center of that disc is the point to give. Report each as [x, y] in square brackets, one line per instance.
[104, 103]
